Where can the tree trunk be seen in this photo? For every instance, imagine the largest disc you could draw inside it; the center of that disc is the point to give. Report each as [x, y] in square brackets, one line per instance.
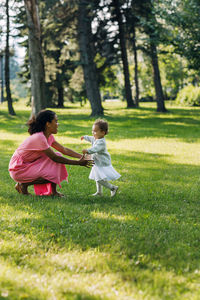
[87, 58]
[35, 57]
[157, 79]
[124, 57]
[136, 69]
[60, 92]
[7, 67]
[2, 77]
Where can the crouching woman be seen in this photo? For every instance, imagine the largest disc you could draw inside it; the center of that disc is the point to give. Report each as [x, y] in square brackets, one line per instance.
[35, 163]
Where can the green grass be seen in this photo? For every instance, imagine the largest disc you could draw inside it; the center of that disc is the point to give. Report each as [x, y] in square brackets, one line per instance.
[142, 244]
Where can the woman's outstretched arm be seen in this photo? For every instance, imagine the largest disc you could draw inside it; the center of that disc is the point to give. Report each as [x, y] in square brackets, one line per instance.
[63, 160]
[65, 151]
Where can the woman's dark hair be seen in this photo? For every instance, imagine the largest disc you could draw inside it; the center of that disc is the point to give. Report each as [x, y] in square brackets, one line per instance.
[38, 123]
[103, 125]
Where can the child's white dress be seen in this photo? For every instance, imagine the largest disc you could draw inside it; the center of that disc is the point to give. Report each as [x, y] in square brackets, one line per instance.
[103, 169]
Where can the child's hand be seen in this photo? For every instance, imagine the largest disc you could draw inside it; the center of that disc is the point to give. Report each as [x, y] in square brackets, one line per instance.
[84, 151]
[82, 138]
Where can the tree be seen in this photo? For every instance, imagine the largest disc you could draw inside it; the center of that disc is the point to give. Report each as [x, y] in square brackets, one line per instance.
[57, 22]
[132, 21]
[136, 66]
[87, 55]
[35, 57]
[156, 76]
[116, 4]
[7, 67]
[150, 26]
[182, 16]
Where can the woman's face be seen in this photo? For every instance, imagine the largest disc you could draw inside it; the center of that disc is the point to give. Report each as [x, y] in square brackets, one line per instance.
[53, 125]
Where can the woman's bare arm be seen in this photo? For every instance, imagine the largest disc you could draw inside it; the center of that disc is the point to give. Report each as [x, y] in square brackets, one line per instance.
[63, 160]
[65, 151]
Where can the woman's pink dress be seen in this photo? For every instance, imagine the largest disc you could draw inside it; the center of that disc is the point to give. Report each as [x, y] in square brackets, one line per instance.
[29, 162]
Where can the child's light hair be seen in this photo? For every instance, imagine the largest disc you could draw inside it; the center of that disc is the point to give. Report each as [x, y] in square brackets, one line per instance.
[103, 125]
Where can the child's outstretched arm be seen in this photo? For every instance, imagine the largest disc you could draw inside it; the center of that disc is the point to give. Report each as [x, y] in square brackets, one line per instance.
[87, 138]
[98, 147]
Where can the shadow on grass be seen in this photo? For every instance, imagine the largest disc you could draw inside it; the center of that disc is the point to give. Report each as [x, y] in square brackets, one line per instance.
[11, 289]
[179, 123]
[171, 125]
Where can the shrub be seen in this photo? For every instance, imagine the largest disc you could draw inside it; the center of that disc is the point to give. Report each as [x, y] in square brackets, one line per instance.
[189, 95]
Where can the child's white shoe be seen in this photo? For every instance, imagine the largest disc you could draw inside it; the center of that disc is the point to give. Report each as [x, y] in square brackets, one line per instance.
[114, 191]
[97, 194]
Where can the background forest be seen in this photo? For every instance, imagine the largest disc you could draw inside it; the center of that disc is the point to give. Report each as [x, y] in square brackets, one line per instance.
[94, 50]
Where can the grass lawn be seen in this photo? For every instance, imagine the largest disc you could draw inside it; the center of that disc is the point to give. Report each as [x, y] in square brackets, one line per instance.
[142, 244]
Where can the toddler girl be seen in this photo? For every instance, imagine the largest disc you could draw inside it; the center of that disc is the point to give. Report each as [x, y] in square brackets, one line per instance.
[102, 171]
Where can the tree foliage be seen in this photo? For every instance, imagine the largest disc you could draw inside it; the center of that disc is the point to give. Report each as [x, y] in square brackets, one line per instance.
[183, 18]
[189, 95]
[126, 49]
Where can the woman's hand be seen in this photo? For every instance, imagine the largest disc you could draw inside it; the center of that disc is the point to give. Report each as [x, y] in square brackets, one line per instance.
[85, 162]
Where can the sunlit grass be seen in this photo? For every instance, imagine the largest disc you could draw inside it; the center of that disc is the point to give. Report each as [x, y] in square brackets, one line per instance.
[143, 244]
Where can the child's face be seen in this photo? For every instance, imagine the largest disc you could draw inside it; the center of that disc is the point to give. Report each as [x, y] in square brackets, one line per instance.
[97, 132]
